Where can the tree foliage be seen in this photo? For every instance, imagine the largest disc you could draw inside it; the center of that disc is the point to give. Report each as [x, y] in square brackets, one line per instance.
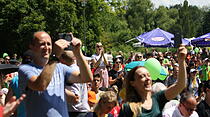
[112, 22]
[206, 23]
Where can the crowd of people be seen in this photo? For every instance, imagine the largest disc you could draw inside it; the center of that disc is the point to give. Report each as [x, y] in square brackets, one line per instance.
[55, 82]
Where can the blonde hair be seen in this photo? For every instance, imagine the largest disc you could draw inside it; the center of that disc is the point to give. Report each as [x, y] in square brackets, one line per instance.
[135, 108]
[106, 97]
[99, 44]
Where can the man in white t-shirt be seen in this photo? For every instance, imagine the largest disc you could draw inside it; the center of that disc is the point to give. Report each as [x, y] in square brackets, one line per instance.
[77, 93]
[186, 107]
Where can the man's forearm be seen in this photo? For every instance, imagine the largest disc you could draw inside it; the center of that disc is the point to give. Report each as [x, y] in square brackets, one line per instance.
[43, 80]
[85, 71]
[173, 90]
[182, 74]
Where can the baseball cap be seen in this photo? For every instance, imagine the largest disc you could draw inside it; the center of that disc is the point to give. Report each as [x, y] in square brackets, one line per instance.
[193, 70]
[5, 54]
[92, 97]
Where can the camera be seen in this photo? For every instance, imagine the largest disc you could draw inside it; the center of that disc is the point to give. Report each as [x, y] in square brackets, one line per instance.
[67, 37]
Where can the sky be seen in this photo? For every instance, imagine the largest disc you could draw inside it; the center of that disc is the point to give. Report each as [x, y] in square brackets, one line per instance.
[199, 3]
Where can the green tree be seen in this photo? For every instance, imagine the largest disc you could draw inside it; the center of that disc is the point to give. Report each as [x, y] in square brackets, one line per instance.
[206, 24]
[139, 16]
[20, 18]
[190, 20]
[164, 18]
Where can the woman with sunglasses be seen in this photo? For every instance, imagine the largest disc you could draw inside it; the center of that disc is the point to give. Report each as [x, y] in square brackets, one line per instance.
[140, 102]
[116, 74]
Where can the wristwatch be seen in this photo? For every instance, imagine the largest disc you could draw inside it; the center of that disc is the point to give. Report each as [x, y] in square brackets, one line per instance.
[53, 58]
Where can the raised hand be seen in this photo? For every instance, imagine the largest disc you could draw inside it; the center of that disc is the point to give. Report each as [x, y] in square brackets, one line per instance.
[76, 43]
[182, 52]
[11, 106]
[59, 47]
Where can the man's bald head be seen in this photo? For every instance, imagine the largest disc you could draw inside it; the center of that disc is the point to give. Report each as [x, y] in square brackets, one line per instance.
[39, 35]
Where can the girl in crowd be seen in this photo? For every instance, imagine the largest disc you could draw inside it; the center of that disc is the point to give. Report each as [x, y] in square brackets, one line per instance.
[107, 102]
[139, 98]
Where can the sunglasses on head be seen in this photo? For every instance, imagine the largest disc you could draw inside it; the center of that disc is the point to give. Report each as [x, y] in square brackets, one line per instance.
[139, 56]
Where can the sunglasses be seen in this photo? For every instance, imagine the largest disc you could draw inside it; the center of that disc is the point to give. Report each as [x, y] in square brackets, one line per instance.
[117, 62]
[99, 46]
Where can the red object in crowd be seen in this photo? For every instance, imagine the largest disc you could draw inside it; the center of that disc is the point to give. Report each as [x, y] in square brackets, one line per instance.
[123, 66]
[1, 111]
[93, 70]
[115, 111]
[188, 57]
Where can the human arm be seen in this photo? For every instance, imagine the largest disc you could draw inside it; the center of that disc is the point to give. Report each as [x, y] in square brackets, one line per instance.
[114, 80]
[97, 63]
[11, 105]
[41, 82]
[84, 75]
[105, 59]
[172, 91]
[71, 97]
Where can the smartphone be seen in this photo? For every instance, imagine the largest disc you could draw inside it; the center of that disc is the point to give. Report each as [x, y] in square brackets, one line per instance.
[67, 37]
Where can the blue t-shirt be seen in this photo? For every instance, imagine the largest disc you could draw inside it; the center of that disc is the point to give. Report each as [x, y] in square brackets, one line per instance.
[48, 103]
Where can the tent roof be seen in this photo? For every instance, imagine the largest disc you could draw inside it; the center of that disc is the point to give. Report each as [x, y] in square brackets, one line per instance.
[202, 41]
[156, 37]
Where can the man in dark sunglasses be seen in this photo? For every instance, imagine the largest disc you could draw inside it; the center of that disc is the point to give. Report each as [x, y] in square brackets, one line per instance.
[186, 107]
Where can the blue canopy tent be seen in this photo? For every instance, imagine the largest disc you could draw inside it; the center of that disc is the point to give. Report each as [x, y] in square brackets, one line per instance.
[186, 41]
[202, 41]
[156, 38]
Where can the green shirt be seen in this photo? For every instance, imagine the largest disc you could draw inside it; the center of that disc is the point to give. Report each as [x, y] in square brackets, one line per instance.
[158, 102]
[205, 72]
